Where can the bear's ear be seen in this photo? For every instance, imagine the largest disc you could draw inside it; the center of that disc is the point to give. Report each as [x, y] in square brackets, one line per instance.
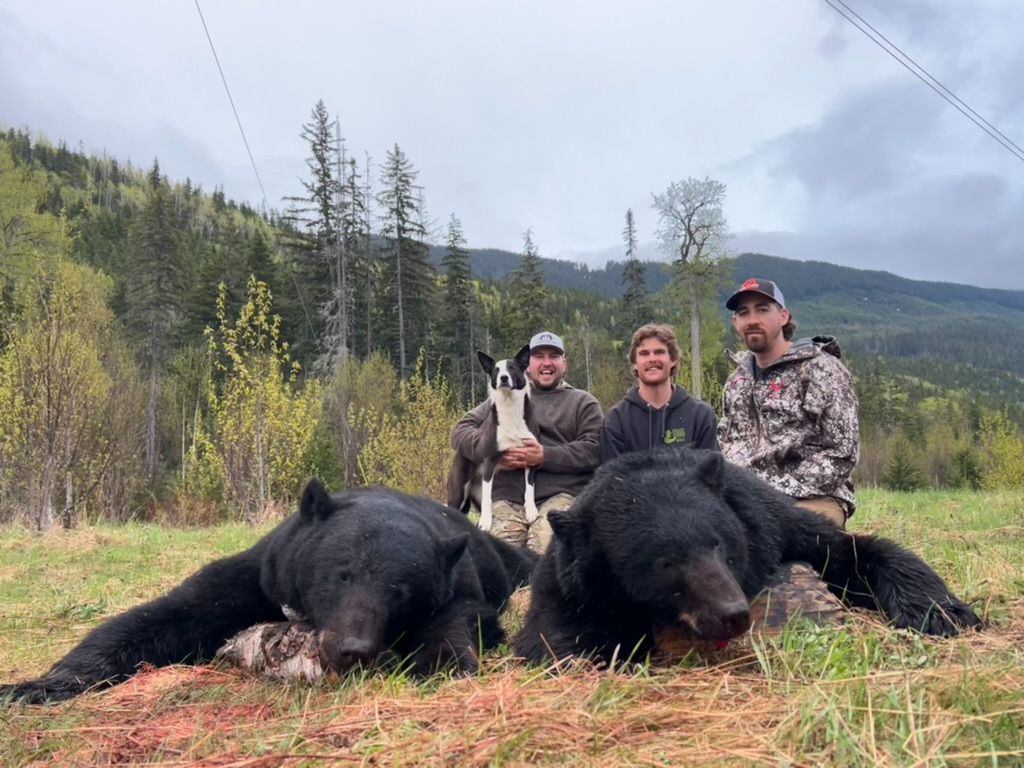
[486, 361]
[452, 549]
[568, 527]
[523, 358]
[316, 502]
[710, 468]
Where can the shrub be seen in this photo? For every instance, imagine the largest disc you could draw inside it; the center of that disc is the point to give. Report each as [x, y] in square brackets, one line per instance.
[410, 448]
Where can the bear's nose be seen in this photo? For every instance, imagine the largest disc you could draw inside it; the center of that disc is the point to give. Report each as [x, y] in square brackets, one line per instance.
[352, 651]
[735, 618]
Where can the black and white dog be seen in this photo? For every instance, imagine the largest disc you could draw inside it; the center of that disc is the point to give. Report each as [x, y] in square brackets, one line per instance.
[508, 389]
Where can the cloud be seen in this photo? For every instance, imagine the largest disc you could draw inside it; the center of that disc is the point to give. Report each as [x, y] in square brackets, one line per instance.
[871, 140]
[892, 178]
[962, 229]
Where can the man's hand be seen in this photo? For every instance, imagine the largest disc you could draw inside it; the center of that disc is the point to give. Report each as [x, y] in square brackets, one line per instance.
[530, 453]
[533, 452]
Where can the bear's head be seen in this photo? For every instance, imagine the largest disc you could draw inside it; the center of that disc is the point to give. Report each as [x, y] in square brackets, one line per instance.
[652, 535]
[363, 568]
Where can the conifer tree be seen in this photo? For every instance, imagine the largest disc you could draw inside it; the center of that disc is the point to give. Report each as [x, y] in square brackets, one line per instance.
[313, 244]
[408, 275]
[356, 242]
[457, 318]
[155, 294]
[636, 309]
[260, 260]
[526, 295]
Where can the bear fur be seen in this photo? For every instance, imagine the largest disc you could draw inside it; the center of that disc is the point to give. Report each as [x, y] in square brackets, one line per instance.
[684, 539]
[373, 570]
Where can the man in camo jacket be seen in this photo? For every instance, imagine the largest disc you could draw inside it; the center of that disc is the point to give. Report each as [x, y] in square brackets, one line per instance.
[789, 411]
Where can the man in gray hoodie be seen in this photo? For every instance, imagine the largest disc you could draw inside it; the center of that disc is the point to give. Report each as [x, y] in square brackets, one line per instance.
[566, 450]
[656, 411]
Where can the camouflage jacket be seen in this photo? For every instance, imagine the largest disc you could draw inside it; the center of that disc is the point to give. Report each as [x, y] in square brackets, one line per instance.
[794, 423]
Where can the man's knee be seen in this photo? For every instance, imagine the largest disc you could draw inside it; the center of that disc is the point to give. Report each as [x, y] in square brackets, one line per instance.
[828, 507]
[540, 532]
[557, 503]
[508, 522]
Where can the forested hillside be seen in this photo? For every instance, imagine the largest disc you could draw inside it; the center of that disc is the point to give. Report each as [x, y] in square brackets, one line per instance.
[954, 336]
[165, 351]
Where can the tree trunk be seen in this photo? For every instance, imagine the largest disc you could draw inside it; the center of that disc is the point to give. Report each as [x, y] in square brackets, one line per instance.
[695, 361]
[403, 371]
[154, 393]
[68, 518]
[44, 517]
[261, 463]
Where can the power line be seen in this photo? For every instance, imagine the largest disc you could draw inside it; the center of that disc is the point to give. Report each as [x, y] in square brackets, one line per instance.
[925, 77]
[241, 130]
[232, 101]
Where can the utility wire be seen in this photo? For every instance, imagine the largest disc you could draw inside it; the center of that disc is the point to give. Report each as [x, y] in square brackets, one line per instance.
[930, 77]
[241, 130]
[925, 77]
[232, 101]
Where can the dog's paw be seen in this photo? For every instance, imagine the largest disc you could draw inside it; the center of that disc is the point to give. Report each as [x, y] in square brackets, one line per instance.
[484, 524]
[531, 513]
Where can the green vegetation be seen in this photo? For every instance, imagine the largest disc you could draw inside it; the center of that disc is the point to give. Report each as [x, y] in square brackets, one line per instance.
[168, 354]
[860, 694]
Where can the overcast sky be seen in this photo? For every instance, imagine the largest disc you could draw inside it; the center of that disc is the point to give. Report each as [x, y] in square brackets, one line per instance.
[561, 115]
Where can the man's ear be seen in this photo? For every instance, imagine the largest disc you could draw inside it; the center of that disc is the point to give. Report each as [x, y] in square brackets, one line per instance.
[486, 362]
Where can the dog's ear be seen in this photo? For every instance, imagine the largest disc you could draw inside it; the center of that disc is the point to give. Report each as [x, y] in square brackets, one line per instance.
[486, 361]
[523, 357]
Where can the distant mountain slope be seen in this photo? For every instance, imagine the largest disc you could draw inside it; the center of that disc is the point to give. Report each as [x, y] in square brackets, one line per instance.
[955, 336]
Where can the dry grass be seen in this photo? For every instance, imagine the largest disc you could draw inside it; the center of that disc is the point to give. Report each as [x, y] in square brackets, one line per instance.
[742, 707]
[858, 694]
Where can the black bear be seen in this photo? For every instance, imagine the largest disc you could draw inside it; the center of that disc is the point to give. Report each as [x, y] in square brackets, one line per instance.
[373, 570]
[685, 539]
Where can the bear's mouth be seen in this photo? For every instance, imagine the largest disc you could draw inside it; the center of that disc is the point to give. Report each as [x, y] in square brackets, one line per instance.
[719, 626]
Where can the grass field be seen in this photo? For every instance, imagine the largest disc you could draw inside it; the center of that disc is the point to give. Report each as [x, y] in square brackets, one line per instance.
[860, 694]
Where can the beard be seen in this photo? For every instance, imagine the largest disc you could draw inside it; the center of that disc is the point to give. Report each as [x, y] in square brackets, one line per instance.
[760, 341]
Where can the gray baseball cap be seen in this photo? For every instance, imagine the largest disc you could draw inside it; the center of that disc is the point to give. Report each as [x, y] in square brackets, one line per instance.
[547, 339]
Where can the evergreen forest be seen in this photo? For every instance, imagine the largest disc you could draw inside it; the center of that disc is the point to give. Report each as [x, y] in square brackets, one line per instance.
[167, 353]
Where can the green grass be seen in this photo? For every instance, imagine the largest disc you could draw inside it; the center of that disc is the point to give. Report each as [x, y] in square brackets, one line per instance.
[859, 694]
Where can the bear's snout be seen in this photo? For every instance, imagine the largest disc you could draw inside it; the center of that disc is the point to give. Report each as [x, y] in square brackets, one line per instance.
[352, 651]
[356, 632]
[715, 606]
[342, 652]
[735, 619]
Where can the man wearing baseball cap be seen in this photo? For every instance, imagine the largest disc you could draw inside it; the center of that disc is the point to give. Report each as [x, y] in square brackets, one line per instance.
[789, 411]
[566, 452]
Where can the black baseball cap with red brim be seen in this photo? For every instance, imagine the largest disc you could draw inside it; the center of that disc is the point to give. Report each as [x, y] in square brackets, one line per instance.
[757, 285]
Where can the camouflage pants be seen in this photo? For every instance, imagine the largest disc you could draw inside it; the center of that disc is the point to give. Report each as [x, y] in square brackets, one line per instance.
[509, 522]
[828, 507]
